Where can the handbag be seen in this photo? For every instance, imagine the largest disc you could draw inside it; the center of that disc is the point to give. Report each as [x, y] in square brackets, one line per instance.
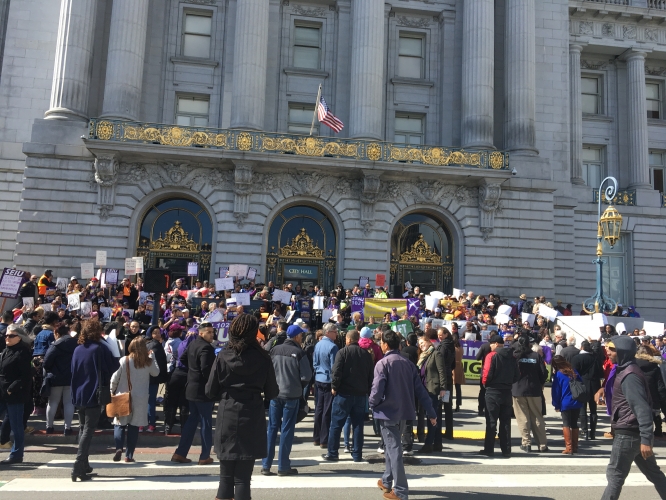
[578, 390]
[121, 404]
[103, 389]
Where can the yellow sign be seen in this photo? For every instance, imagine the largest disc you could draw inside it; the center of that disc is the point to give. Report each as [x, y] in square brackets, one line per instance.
[376, 308]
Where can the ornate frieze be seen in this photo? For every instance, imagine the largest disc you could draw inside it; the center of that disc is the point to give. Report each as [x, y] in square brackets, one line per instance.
[489, 204]
[242, 191]
[618, 30]
[169, 174]
[106, 173]
[414, 22]
[305, 11]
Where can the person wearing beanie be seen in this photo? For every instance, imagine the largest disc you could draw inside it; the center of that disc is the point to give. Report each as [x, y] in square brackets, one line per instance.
[366, 342]
[631, 421]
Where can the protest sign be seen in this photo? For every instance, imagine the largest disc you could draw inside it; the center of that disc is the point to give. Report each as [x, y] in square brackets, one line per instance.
[150, 304]
[327, 314]
[408, 285]
[431, 302]
[238, 270]
[439, 295]
[502, 319]
[224, 284]
[87, 270]
[11, 282]
[504, 309]
[600, 320]
[86, 309]
[653, 329]
[251, 273]
[380, 280]
[222, 329]
[305, 309]
[404, 327]
[61, 284]
[529, 318]
[548, 312]
[363, 280]
[29, 304]
[130, 267]
[105, 313]
[318, 302]
[100, 258]
[224, 271]
[413, 307]
[458, 293]
[47, 307]
[281, 296]
[193, 269]
[111, 276]
[73, 302]
[357, 306]
[242, 299]
[138, 262]
[216, 316]
[378, 307]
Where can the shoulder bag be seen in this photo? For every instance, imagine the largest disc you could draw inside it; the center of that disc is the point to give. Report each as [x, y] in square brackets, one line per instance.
[121, 404]
[578, 390]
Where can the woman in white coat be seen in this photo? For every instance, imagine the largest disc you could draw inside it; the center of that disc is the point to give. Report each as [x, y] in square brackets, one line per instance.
[135, 371]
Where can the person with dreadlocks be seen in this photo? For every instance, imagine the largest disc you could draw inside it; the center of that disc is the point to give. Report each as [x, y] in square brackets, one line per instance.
[241, 373]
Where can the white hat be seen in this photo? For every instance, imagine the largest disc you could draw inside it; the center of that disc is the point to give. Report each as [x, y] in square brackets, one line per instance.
[73, 278]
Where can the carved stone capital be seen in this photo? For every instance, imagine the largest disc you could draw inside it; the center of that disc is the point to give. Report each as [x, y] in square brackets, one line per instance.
[489, 204]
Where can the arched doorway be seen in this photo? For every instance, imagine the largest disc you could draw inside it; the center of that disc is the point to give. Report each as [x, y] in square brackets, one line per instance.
[301, 248]
[174, 232]
[421, 253]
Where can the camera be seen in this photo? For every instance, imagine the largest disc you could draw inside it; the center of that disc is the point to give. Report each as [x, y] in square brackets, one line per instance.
[514, 172]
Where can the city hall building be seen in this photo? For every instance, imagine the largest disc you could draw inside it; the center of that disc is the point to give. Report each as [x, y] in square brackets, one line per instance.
[476, 134]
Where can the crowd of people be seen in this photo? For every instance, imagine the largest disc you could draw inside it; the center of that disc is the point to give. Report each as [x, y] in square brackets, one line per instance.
[58, 360]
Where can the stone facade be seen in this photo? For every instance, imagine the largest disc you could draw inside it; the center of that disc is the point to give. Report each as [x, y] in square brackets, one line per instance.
[495, 76]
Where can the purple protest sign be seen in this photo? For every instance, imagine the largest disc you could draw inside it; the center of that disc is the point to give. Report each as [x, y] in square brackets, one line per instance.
[413, 307]
[357, 305]
[222, 331]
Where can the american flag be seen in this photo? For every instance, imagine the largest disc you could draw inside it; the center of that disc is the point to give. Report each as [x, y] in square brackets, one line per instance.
[327, 118]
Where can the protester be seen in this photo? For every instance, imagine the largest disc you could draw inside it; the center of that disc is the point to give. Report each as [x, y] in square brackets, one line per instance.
[395, 387]
[292, 371]
[92, 367]
[458, 371]
[564, 402]
[322, 361]
[154, 345]
[650, 365]
[448, 350]
[174, 395]
[198, 358]
[589, 365]
[133, 377]
[432, 371]
[58, 369]
[351, 380]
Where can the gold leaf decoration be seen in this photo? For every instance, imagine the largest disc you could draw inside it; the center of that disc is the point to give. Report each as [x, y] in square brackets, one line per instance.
[374, 151]
[104, 130]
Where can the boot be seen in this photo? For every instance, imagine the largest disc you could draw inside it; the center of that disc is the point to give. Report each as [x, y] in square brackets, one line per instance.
[566, 431]
[574, 440]
[593, 426]
[583, 427]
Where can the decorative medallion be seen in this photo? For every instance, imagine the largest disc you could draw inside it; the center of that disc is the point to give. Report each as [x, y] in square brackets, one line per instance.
[373, 152]
[496, 160]
[302, 246]
[104, 130]
[629, 32]
[175, 240]
[608, 29]
[420, 253]
[244, 141]
[586, 28]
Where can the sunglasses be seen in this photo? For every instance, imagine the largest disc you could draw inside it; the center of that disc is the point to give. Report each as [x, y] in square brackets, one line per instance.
[11, 336]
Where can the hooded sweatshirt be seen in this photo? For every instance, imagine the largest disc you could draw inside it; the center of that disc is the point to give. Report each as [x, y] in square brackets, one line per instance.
[632, 405]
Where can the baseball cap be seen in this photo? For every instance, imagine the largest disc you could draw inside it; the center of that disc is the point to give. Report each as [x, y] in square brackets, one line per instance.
[366, 333]
[496, 339]
[294, 330]
[73, 278]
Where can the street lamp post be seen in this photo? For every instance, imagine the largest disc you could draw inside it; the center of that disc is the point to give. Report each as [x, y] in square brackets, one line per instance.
[609, 226]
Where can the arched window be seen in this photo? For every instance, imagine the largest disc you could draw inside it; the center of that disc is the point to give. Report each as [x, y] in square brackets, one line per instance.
[174, 232]
[301, 248]
[422, 253]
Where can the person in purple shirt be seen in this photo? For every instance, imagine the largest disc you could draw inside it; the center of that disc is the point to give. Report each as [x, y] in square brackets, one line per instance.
[396, 383]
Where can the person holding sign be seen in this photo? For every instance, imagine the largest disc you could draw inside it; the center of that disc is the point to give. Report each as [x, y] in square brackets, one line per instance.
[45, 283]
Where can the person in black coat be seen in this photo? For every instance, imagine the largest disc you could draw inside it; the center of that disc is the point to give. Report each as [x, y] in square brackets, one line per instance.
[58, 368]
[650, 365]
[589, 364]
[448, 349]
[154, 338]
[198, 358]
[240, 374]
[15, 381]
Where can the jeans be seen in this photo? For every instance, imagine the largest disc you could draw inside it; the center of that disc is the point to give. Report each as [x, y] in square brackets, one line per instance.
[343, 407]
[201, 413]
[498, 406]
[132, 438]
[346, 431]
[394, 474]
[626, 450]
[570, 418]
[15, 416]
[282, 415]
[63, 392]
[88, 418]
[152, 403]
[235, 474]
[322, 417]
[435, 430]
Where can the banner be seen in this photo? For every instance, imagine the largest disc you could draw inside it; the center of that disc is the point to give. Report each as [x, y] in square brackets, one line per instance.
[472, 367]
[378, 307]
[357, 305]
[222, 330]
[305, 310]
[413, 307]
[403, 327]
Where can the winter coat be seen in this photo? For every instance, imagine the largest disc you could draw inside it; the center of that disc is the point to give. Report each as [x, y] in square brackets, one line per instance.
[237, 381]
[533, 375]
[352, 371]
[500, 370]
[376, 350]
[433, 373]
[561, 392]
[160, 358]
[85, 381]
[140, 379]
[448, 350]
[459, 370]
[198, 358]
[323, 360]
[650, 366]
[15, 374]
[58, 361]
[589, 367]
[42, 342]
[292, 369]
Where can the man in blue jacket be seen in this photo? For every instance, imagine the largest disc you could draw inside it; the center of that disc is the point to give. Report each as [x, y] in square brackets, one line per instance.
[394, 387]
[323, 360]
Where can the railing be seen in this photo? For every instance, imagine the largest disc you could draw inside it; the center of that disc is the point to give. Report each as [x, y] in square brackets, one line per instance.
[266, 142]
[623, 197]
[657, 4]
[613, 2]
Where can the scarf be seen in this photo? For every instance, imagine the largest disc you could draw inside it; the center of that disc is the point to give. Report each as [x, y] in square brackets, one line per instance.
[424, 356]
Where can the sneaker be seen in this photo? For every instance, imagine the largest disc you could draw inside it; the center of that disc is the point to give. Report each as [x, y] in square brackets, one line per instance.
[117, 455]
[141, 429]
[544, 449]
[29, 430]
[288, 472]
[407, 453]
[346, 450]
[50, 430]
[151, 428]
[526, 448]
[487, 453]
[380, 450]
[159, 400]
[68, 432]
[329, 458]
[6, 446]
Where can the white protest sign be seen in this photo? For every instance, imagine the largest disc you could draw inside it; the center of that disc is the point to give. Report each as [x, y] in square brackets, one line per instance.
[405, 295]
[238, 270]
[130, 267]
[105, 312]
[502, 319]
[242, 299]
[439, 295]
[529, 318]
[61, 284]
[431, 302]
[47, 307]
[327, 314]
[216, 316]
[653, 329]
[86, 309]
[504, 310]
[111, 276]
[29, 303]
[317, 302]
[363, 280]
[599, 319]
[224, 283]
[193, 269]
[548, 312]
[138, 265]
[281, 296]
[620, 328]
[100, 258]
[251, 273]
[408, 285]
[73, 301]
[457, 292]
[87, 271]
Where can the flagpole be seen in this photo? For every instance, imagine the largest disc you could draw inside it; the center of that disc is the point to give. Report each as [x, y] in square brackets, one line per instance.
[314, 116]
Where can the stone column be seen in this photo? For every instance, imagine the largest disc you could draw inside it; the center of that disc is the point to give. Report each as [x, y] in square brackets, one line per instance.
[520, 71]
[124, 64]
[73, 61]
[637, 126]
[250, 58]
[367, 70]
[478, 74]
[575, 115]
